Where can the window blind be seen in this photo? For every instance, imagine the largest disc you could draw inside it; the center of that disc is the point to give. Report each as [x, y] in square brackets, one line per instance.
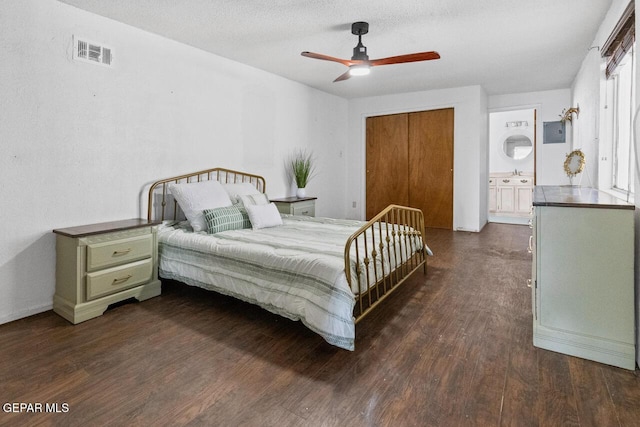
[621, 39]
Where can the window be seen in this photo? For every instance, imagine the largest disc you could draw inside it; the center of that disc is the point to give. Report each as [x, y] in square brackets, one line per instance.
[621, 86]
[620, 70]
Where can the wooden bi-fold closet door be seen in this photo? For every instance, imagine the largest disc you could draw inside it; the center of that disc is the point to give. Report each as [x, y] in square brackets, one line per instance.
[387, 158]
[409, 161]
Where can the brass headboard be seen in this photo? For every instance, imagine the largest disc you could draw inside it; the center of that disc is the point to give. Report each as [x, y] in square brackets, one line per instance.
[159, 197]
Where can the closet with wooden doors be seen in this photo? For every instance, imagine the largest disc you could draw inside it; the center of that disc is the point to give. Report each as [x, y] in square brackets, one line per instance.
[409, 161]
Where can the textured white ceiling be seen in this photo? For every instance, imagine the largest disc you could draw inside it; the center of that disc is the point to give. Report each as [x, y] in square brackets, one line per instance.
[507, 46]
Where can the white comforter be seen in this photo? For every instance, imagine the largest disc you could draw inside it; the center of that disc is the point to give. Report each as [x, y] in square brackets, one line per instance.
[295, 270]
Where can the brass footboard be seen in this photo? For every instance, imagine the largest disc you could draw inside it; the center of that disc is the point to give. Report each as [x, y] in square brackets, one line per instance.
[382, 254]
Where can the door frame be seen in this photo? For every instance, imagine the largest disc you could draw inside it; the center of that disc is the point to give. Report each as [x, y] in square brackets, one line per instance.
[535, 108]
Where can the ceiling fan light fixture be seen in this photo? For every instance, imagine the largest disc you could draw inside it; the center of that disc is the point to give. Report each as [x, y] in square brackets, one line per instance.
[359, 70]
[360, 64]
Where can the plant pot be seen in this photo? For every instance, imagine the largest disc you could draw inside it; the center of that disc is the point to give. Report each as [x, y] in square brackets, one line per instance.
[301, 192]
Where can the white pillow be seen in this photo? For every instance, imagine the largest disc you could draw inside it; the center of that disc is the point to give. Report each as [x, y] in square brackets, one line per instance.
[263, 216]
[254, 199]
[236, 190]
[195, 197]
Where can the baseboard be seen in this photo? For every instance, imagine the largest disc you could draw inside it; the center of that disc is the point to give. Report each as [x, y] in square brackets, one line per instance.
[601, 350]
[25, 313]
[509, 219]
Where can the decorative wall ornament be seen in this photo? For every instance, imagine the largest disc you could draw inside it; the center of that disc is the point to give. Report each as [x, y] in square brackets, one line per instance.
[566, 114]
[574, 163]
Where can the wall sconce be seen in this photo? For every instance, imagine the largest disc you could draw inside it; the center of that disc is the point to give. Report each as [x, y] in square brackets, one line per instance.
[566, 114]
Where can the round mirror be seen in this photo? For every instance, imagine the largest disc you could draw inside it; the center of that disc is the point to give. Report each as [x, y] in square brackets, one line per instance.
[517, 147]
[574, 163]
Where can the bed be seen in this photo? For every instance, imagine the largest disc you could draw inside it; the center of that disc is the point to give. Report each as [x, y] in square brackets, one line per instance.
[327, 273]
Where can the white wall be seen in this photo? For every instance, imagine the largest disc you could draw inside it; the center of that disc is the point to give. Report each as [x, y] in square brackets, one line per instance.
[80, 142]
[483, 160]
[588, 89]
[470, 147]
[548, 104]
[498, 132]
[637, 203]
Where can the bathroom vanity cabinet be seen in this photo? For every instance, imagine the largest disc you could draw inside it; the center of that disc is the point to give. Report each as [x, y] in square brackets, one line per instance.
[510, 194]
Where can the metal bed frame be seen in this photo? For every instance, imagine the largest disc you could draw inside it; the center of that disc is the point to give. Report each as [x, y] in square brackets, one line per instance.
[368, 253]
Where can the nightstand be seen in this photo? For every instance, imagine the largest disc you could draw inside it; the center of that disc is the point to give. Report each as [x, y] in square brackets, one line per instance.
[296, 205]
[100, 264]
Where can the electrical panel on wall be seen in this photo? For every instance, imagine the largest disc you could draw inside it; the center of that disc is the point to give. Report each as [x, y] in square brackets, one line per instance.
[95, 53]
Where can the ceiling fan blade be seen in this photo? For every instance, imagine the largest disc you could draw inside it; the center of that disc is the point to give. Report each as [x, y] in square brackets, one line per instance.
[412, 57]
[347, 62]
[343, 76]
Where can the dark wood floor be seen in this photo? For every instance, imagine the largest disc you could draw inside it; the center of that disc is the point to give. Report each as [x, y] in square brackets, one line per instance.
[450, 349]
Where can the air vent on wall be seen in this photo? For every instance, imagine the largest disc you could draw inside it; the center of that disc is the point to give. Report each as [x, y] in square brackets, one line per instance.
[95, 53]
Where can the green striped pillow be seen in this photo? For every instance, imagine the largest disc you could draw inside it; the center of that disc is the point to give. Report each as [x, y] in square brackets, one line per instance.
[233, 217]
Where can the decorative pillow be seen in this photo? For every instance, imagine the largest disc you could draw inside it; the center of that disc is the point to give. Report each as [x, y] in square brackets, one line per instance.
[236, 190]
[233, 217]
[263, 216]
[195, 197]
[254, 199]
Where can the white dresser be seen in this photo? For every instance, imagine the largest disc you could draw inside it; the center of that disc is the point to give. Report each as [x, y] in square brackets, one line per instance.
[583, 274]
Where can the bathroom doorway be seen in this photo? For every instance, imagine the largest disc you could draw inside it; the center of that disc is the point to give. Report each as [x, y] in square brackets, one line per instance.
[512, 165]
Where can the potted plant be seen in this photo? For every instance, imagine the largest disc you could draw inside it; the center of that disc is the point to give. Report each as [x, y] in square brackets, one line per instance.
[302, 169]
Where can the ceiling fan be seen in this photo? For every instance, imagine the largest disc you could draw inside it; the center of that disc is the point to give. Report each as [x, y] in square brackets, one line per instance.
[360, 64]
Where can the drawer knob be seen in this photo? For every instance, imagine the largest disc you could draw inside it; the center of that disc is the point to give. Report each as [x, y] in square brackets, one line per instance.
[120, 280]
[505, 180]
[524, 181]
[122, 252]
